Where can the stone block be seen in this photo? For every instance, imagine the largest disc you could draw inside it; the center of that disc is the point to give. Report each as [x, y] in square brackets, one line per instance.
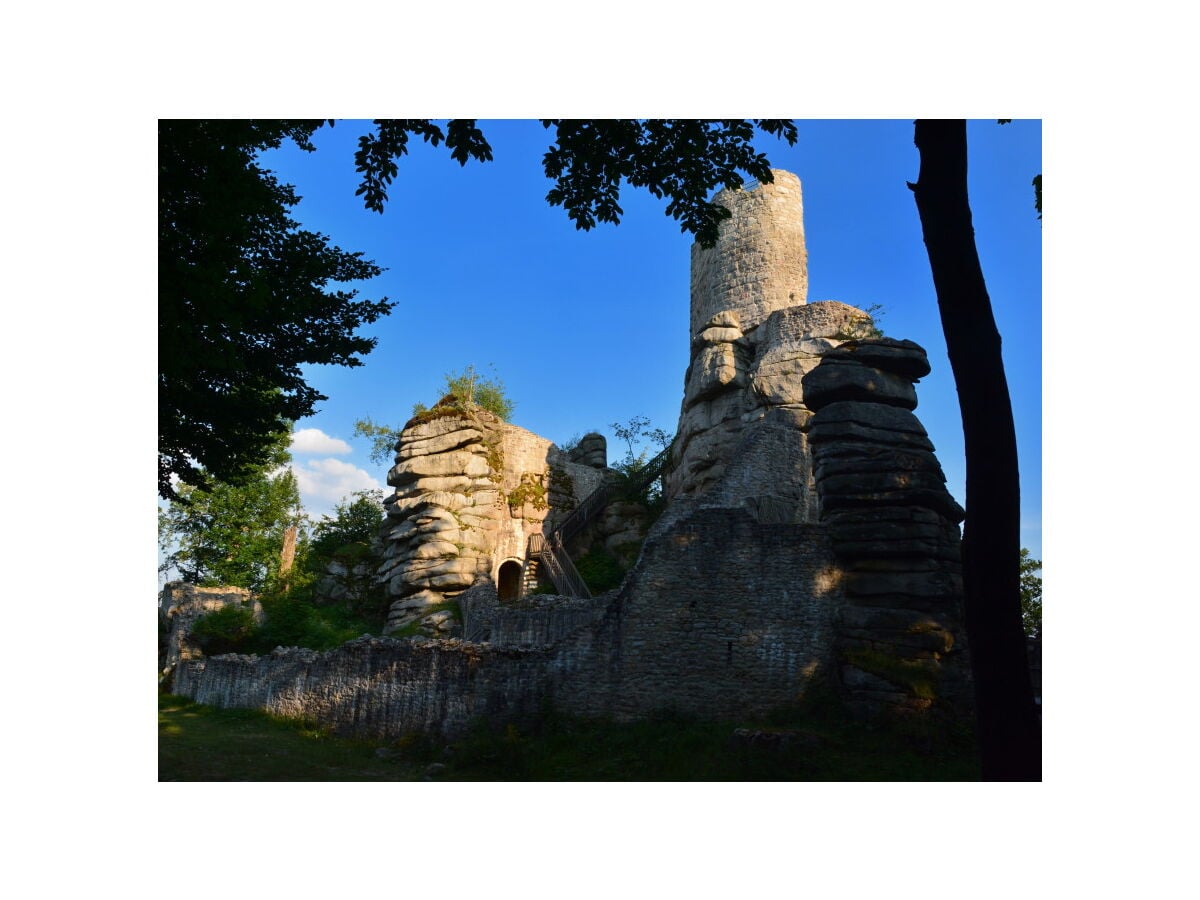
[879, 416]
[904, 358]
[837, 381]
[461, 438]
[714, 369]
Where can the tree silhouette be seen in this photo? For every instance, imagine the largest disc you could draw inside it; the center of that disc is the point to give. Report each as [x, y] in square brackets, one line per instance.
[243, 301]
[1009, 727]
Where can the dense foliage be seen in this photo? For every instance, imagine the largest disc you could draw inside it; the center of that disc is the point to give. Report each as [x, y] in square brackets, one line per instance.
[600, 570]
[225, 630]
[233, 534]
[1031, 594]
[243, 301]
[355, 522]
[682, 160]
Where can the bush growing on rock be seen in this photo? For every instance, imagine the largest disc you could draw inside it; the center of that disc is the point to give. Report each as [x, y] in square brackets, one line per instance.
[470, 388]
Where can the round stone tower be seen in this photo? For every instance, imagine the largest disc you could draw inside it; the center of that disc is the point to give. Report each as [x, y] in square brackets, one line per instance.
[759, 263]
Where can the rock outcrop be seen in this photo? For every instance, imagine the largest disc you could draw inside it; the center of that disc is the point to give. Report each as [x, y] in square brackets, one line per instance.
[893, 527]
[470, 490]
[754, 337]
[592, 451]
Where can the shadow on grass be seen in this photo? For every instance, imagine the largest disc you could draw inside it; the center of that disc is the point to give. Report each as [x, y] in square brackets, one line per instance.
[202, 743]
[198, 743]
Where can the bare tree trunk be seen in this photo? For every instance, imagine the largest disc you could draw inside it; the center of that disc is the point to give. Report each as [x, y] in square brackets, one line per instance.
[288, 555]
[1009, 726]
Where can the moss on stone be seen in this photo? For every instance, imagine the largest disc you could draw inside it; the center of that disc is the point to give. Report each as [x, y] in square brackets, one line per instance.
[530, 491]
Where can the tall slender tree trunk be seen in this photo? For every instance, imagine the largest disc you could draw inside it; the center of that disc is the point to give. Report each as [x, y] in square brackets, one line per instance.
[1009, 726]
[287, 556]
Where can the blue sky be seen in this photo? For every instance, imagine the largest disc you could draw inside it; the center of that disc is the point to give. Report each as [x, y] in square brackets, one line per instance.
[590, 328]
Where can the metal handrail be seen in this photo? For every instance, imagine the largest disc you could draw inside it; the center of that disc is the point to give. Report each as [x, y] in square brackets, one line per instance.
[550, 549]
[651, 470]
[582, 515]
[557, 562]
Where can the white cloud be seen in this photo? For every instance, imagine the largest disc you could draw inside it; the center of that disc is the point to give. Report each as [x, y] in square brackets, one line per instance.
[314, 440]
[326, 482]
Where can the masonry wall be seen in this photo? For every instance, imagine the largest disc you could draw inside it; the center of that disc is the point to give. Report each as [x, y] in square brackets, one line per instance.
[376, 687]
[723, 617]
[181, 605]
[748, 633]
[760, 263]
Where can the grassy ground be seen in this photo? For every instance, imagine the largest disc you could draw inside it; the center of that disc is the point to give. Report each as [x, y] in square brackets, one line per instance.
[198, 743]
[201, 743]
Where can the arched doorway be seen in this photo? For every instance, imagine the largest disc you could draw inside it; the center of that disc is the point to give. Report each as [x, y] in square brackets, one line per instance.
[508, 580]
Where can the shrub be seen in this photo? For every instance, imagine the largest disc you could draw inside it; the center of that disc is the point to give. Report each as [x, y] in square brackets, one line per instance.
[1031, 594]
[864, 326]
[600, 570]
[356, 520]
[225, 630]
[466, 389]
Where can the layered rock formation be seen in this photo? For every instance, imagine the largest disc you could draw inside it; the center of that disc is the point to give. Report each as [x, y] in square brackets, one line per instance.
[763, 362]
[592, 451]
[470, 490]
[893, 526]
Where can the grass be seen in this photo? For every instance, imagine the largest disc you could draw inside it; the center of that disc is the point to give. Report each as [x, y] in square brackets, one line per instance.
[198, 743]
[202, 743]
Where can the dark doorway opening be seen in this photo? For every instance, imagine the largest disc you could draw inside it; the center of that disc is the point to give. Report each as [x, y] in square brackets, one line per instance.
[508, 580]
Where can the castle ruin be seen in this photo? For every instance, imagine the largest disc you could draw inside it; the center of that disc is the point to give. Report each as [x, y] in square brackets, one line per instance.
[807, 538]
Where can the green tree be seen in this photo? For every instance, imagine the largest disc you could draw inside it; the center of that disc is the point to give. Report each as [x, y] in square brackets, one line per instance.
[355, 521]
[682, 160]
[631, 468]
[383, 439]
[1031, 594]
[233, 534]
[244, 300]
[638, 433]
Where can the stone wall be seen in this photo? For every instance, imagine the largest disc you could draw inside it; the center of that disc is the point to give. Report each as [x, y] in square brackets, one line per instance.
[722, 617]
[537, 621]
[749, 633]
[377, 687]
[180, 605]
